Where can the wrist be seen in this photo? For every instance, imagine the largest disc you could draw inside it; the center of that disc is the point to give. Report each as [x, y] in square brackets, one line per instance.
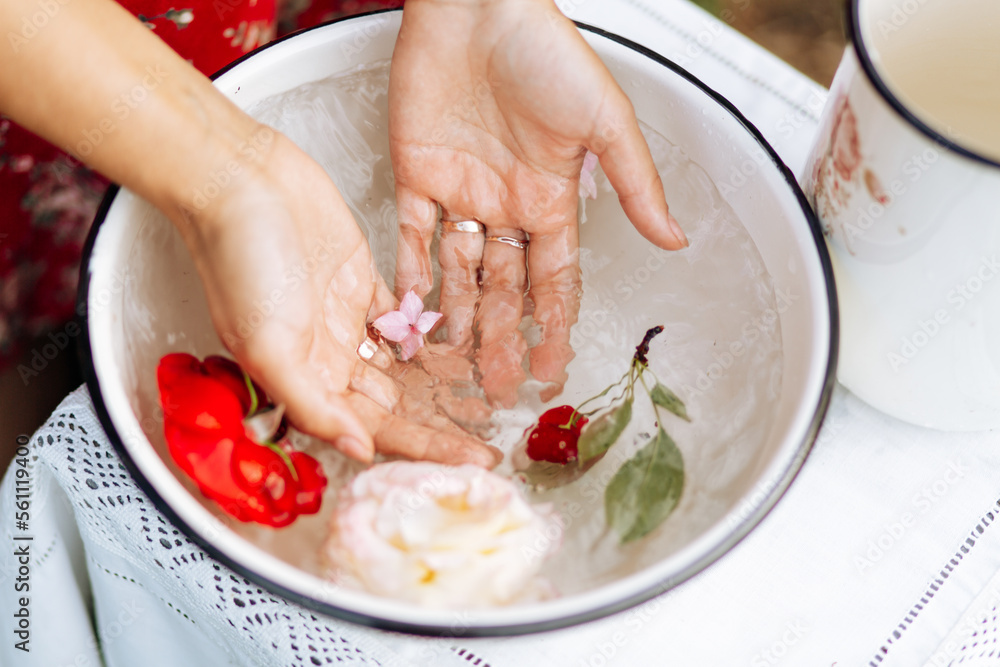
[220, 151]
[225, 163]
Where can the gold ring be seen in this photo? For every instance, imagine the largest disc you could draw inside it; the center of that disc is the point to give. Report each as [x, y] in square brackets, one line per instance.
[509, 240]
[473, 226]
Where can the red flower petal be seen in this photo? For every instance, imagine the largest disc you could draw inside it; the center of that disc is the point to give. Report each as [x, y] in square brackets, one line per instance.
[229, 373]
[203, 406]
[202, 403]
[312, 482]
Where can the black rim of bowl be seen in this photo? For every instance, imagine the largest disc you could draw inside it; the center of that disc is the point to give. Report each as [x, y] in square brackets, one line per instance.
[856, 37]
[737, 534]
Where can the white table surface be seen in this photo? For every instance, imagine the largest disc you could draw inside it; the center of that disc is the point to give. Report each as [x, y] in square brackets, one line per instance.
[882, 552]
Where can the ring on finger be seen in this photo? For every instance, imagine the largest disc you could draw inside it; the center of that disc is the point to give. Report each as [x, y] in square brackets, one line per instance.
[370, 345]
[509, 240]
[473, 226]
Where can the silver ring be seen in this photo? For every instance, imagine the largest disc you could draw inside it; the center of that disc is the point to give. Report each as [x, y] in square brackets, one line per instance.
[367, 349]
[473, 226]
[509, 240]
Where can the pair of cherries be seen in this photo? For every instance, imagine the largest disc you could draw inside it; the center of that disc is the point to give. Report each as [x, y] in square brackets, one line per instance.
[205, 408]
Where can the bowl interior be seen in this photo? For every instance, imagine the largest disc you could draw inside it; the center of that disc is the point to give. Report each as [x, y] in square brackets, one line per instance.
[747, 310]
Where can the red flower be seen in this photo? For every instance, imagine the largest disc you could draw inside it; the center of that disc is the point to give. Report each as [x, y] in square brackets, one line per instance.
[204, 408]
[554, 438]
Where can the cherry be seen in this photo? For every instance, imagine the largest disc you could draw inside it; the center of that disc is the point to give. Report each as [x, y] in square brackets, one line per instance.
[555, 437]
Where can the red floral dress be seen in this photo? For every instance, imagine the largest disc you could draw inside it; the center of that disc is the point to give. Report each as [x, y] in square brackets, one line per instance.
[48, 199]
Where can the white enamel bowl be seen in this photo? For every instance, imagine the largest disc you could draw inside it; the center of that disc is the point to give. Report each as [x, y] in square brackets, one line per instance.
[143, 299]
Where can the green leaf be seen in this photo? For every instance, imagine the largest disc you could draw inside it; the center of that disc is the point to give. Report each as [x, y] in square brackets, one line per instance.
[667, 399]
[600, 434]
[646, 489]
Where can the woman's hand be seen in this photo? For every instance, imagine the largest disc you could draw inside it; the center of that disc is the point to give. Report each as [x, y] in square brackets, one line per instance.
[493, 105]
[291, 285]
[268, 230]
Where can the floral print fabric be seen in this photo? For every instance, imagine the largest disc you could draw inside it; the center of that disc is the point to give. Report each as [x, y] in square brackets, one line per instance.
[48, 199]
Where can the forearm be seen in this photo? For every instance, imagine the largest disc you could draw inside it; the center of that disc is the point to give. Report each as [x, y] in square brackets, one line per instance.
[89, 77]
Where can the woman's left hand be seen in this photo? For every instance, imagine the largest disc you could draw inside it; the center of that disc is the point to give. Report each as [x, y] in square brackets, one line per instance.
[493, 105]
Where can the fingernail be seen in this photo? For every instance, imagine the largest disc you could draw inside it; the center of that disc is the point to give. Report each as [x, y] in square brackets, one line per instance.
[486, 457]
[678, 232]
[351, 446]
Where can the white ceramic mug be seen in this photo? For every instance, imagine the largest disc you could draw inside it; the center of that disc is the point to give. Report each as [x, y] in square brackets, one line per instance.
[905, 177]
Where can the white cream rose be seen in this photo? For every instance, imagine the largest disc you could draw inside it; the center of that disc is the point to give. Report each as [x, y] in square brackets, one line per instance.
[441, 536]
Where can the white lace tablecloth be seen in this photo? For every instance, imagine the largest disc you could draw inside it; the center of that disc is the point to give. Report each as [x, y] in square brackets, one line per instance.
[883, 552]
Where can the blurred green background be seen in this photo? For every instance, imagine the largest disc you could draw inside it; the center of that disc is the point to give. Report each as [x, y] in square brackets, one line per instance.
[806, 33]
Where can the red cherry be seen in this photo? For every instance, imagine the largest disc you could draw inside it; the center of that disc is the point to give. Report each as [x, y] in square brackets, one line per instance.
[561, 416]
[554, 439]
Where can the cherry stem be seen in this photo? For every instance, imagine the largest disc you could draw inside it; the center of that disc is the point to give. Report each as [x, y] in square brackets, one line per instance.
[579, 412]
[636, 368]
[253, 394]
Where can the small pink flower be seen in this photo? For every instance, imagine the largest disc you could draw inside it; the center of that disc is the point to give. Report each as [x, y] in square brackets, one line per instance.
[407, 325]
[588, 186]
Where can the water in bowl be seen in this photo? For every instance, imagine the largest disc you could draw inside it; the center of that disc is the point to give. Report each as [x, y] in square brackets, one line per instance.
[721, 350]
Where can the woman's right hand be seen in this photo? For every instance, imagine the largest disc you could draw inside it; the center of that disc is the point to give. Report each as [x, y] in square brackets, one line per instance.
[268, 230]
[291, 285]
